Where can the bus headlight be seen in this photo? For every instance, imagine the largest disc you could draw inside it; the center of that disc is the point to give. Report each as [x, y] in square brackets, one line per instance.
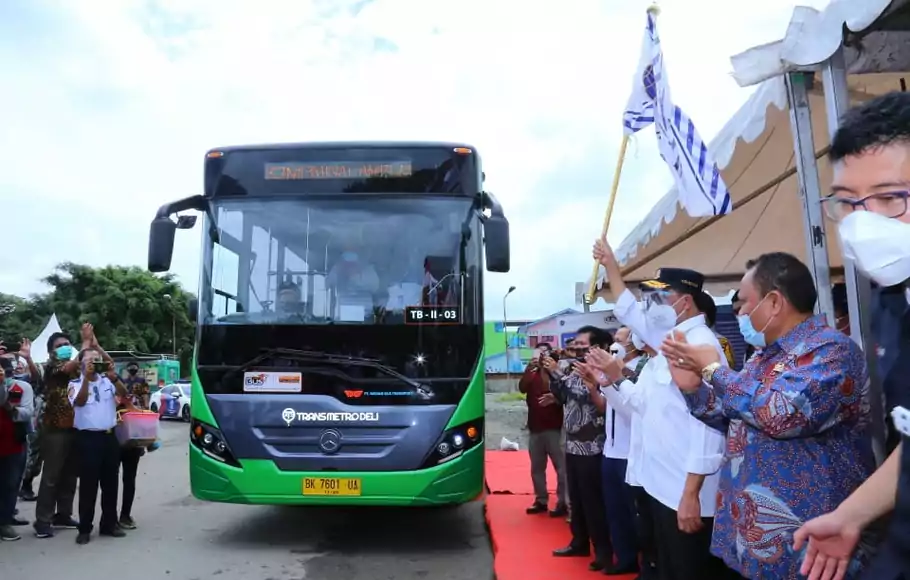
[211, 442]
[454, 442]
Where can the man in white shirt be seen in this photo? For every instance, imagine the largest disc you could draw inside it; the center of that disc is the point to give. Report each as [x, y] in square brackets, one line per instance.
[681, 456]
[618, 497]
[94, 400]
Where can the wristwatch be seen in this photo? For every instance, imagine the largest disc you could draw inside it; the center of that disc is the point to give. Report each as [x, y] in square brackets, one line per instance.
[707, 373]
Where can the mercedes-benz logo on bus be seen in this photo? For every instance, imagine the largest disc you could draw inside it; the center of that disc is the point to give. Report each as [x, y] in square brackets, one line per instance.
[330, 441]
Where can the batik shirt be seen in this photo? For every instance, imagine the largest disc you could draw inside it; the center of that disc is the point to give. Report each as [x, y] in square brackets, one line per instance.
[796, 417]
[583, 422]
[58, 413]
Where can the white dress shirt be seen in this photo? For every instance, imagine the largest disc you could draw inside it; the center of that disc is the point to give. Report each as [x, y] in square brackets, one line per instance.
[673, 442]
[99, 413]
[619, 424]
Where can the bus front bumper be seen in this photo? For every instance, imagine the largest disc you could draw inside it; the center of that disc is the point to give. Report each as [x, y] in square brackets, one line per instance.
[259, 481]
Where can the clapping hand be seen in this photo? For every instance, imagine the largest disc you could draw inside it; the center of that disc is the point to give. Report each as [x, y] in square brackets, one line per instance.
[687, 360]
[830, 541]
[606, 363]
[547, 399]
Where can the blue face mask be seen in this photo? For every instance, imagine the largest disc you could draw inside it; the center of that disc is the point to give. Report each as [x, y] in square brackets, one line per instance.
[7, 382]
[349, 257]
[64, 352]
[750, 335]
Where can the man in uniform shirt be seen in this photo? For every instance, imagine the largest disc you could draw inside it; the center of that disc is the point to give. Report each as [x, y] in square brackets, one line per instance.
[870, 158]
[94, 400]
[681, 455]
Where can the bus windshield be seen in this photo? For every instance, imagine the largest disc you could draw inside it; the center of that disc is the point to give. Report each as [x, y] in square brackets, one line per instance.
[339, 260]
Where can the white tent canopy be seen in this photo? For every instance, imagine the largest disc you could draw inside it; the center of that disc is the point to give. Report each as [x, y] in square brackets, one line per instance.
[39, 345]
[755, 148]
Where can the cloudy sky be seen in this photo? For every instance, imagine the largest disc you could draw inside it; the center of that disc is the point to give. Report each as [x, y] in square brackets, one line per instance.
[108, 108]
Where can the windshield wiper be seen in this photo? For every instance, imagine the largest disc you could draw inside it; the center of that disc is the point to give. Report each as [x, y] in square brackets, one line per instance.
[325, 357]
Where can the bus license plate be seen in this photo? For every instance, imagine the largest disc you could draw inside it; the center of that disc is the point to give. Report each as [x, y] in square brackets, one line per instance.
[331, 486]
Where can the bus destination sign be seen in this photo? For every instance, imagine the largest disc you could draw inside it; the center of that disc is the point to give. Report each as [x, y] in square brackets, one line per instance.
[293, 171]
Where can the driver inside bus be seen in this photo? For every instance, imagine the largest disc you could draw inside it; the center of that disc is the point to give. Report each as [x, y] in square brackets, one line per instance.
[289, 300]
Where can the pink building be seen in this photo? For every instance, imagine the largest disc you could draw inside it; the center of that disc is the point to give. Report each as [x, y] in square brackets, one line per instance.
[557, 328]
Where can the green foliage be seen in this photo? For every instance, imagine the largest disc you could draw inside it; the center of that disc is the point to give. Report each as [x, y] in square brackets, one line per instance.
[128, 306]
[510, 397]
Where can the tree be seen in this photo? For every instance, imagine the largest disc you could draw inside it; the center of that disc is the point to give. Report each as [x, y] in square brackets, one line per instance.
[131, 308]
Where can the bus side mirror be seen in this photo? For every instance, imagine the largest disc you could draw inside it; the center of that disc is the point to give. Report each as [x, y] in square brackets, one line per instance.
[161, 244]
[496, 243]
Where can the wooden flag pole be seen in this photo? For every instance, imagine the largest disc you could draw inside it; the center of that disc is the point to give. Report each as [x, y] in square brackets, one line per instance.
[592, 288]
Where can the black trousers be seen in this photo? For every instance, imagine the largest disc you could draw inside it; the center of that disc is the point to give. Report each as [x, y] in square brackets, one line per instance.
[644, 525]
[620, 506]
[129, 465]
[589, 521]
[683, 556]
[99, 457]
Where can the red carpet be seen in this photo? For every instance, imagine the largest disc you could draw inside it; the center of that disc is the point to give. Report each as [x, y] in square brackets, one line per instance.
[510, 472]
[523, 544]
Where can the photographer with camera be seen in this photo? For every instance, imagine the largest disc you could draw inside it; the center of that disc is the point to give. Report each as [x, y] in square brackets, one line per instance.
[545, 441]
[16, 407]
[94, 399]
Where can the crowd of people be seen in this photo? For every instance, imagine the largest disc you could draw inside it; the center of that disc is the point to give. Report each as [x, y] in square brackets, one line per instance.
[58, 421]
[673, 465]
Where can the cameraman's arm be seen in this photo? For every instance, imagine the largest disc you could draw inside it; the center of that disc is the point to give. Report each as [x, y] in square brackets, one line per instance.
[81, 397]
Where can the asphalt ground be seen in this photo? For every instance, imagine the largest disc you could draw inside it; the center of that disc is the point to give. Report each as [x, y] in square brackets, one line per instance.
[182, 538]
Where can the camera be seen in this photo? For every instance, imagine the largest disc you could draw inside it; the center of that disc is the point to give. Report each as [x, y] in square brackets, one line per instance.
[10, 346]
[101, 366]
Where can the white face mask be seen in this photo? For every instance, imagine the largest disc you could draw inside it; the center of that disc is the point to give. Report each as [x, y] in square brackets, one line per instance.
[618, 350]
[879, 246]
[661, 318]
[638, 343]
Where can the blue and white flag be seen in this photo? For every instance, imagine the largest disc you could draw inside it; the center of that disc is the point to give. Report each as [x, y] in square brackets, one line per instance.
[701, 189]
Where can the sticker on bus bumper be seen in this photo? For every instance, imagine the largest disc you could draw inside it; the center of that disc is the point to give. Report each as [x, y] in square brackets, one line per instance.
[281, 382]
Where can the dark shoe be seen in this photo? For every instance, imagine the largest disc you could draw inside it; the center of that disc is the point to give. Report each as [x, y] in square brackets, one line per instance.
[537, 508]
[559, 512]
[127, 523]
[8, 534]
[19, 522]
[83, 539]
[571, 552]
[596, 566]
[26, 494]
[65, 523]
[620, 570]
[43, 530]
[114, 532]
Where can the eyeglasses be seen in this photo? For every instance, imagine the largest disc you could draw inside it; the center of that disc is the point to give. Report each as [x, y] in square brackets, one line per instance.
[657, 298]
[892, 204]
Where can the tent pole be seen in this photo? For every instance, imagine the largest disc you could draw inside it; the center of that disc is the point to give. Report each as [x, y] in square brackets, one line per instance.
[810, 189]
[859, 289]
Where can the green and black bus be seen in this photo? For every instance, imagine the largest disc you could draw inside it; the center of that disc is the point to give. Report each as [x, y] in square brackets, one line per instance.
[339, 346]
